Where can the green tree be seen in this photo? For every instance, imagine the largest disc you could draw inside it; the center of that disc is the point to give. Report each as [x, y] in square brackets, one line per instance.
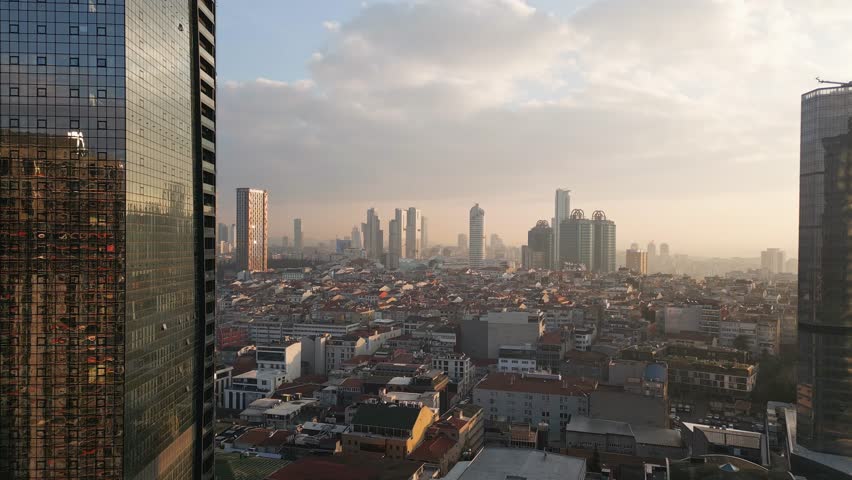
[594, 465]
[741, 342]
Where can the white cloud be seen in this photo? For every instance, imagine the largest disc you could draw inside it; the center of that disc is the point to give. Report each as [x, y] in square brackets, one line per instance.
[647, 110]
[331, 26]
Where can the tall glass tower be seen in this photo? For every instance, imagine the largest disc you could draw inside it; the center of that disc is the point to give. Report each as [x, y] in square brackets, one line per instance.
[824, 392]
[107, 239]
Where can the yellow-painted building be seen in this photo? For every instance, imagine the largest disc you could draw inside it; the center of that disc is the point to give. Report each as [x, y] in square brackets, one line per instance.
[387, 430]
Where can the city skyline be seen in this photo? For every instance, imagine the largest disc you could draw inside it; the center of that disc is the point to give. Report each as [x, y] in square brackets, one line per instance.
[305, 113]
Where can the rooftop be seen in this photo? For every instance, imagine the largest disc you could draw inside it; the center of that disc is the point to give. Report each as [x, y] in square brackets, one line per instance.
[346, 467]
[511, 463]
[583, 424]
[386, 416]
[511, 382]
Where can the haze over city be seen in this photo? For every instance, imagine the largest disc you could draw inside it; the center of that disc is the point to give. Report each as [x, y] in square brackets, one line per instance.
[337, 108]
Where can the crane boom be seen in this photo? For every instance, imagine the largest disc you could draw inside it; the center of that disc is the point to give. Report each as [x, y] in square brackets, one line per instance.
[843, 84]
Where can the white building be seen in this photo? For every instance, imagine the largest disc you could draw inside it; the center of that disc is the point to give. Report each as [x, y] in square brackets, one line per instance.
[250, 386]
[584, 338]
[314, 354]
[283, 357]
[222, 379]
[517, 358]
[302, 329]
[339, 350]
[252, 229]
[458, 367]
[476, 250]
[763, 333]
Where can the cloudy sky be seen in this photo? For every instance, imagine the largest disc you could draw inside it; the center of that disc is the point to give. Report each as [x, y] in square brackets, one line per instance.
[677, 118]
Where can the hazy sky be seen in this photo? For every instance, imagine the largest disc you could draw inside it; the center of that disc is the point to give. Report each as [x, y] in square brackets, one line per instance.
[679, 119]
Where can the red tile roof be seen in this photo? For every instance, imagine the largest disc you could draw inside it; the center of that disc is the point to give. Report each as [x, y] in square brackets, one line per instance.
[432, 450]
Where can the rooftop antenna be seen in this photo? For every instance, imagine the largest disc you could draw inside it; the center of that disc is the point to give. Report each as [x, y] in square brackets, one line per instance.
[843, 84]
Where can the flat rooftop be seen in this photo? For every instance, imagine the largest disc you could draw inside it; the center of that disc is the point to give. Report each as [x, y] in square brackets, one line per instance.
[514, 463]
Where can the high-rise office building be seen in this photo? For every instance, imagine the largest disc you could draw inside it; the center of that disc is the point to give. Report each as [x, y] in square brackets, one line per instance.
[373, 235]
[772, 260]
[462, 242]
[562, 211]
[824, 404]
[634, 246]
[394, 242]
[222, 233]
[652, 249]
[539, 245]
[397, 233]
[297, 235]
[576, 244]
[664, 250]
[476, 248]
[285, 242]
[107, 164]
[356, 237]
[603, 250]
[252, 229]
[413, 229]
[424, 234]
[637, 261]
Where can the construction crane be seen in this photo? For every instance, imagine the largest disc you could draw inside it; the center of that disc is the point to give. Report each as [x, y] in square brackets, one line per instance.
[842, 84]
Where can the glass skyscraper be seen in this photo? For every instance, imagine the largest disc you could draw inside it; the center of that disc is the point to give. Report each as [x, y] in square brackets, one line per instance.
[824, 391]
[107, 239]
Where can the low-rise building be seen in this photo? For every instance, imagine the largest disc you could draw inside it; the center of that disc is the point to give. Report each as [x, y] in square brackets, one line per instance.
[517, 358]
[533, 398]
[250, 386]
[387, 430]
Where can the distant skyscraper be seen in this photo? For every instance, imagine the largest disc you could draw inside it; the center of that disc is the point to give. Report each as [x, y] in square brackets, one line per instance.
[476, 249]
[373, 241]
[603, 250]
[285, 242]
[664, 249]
[637, 261]
[824, 418]
[462, 242]
[562, 212]
[424, 235]
[652, 249]
[577, 240]
[232, 235]
[772, 260]
[252, 229]
[397, 233]
[394, 243]
[107, 301]
[222, 231]
[413, 229]
[540, 245]
[356, 237]
[298, 244]
[634, 246]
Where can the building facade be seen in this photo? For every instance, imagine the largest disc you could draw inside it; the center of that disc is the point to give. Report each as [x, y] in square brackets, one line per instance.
[772, 260]
[107, 239]
[825, 323]
[373, 235]
[540, 245]
[603, 249]
[561, 211]
[413, 232]
[577, 240]
[637, 261]
[297, 235]
[252, 229]
[476, 249]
